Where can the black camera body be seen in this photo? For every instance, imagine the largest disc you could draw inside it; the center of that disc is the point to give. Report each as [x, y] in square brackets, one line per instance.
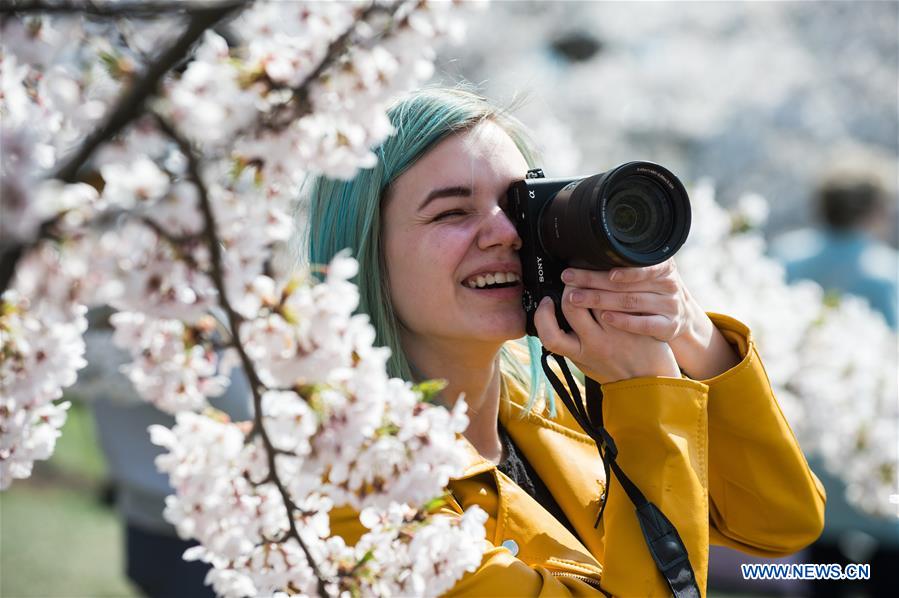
[637, 214]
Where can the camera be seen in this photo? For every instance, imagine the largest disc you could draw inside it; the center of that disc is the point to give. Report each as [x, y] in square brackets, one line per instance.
[637, 214]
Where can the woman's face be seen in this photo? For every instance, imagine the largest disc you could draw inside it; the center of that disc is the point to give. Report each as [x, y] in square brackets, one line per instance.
[452, 265]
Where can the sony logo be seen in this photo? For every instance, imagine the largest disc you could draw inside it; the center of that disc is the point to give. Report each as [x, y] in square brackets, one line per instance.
[540, 269]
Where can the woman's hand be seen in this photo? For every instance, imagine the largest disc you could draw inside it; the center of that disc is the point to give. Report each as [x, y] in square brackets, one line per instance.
[653, 301]
[601, 351]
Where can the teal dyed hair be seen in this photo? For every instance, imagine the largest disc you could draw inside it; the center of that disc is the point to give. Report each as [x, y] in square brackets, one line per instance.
[347, 214]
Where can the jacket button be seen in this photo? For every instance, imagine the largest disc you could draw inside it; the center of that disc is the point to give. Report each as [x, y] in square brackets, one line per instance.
[511, 546]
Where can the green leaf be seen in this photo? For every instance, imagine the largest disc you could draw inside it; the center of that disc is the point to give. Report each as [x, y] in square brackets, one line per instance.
[434, 504]
[832, 298]
[429, 390]
[365, 558]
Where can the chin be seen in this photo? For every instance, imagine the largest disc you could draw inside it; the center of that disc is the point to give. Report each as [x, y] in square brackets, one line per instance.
[511, 329]
[517, 331]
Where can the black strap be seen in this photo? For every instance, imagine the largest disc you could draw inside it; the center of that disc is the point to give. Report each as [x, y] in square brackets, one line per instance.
[664, 543]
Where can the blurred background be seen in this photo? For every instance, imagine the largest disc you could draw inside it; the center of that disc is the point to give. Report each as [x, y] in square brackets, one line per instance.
[785, 101]
[763, 97]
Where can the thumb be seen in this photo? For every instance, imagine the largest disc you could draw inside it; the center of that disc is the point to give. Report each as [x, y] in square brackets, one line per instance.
[551, 335]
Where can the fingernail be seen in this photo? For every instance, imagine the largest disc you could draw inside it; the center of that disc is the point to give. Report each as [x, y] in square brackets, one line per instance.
[567, 276]
[607, 316]
[577, 297]
[614, 276]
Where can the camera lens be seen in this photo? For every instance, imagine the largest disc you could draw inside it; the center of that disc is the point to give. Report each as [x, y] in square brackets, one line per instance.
[637, 214]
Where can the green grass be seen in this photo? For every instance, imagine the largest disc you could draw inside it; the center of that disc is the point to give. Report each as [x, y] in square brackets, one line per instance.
[57, 538]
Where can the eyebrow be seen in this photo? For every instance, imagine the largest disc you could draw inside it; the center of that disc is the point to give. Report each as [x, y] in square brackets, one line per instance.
[455, 191]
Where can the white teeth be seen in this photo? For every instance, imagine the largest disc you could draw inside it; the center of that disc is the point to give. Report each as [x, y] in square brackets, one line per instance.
[482, 280]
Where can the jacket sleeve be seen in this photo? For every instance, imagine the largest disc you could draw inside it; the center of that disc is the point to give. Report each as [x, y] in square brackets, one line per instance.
[659, 426]
[501, 574]
[765, 500]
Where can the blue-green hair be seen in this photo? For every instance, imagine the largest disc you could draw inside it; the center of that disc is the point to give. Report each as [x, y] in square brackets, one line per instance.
[347, 213]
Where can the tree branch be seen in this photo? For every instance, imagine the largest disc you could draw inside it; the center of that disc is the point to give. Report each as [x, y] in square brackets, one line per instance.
[176, 243]
[127, 8]
[298, 105]
[234, 321]
[10, 257]
[129, 106]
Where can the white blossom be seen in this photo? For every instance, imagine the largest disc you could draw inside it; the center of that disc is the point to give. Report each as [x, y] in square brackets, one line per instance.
[169, 369]
[385, 455]
[208, 101]
[180, 243]
[39, 359]
[128, 184]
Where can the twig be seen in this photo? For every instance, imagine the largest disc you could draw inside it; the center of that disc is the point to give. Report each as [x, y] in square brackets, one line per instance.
[11, 257]
[336, 50]
[298, 105]
[8, 261]
[129, 8]
[176, 243]
[234, 321]
[129, 106]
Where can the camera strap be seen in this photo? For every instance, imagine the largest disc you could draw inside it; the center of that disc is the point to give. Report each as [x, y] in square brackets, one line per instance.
[664, 543]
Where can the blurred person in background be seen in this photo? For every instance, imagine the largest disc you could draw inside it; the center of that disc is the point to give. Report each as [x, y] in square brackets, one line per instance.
[846, 255]
[153, 550]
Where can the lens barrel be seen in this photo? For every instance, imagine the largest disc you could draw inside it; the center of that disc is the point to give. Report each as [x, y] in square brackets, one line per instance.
[637, 214]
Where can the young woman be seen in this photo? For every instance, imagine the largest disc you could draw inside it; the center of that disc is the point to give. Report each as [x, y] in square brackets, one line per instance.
[439, 276]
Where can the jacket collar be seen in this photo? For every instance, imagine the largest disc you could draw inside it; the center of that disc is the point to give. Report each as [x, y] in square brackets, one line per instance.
[519, 422]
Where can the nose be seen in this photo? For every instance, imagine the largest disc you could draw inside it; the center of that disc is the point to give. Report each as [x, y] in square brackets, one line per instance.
[498, 231]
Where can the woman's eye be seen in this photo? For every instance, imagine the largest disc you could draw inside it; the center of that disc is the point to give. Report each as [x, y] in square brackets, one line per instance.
[448, 214]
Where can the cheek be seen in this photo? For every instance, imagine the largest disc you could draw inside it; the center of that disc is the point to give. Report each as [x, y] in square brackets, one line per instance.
[422, 269]
[433, 256]
[447, 247]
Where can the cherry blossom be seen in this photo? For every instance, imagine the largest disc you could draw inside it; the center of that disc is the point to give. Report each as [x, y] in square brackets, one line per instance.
[40, 358]
[381, 455]
[175, 219]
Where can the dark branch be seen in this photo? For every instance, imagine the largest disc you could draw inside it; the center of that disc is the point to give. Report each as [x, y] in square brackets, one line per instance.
[336, 50]
[176, 243]
[299, 104]
[10, 257]
[131, 104]
[128, 9]
[8, 261]
[234, 321]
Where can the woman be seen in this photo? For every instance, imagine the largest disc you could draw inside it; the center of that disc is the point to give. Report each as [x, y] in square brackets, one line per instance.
[439, 276]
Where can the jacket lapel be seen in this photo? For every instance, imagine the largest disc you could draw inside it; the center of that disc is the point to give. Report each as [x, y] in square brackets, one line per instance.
[566, 460]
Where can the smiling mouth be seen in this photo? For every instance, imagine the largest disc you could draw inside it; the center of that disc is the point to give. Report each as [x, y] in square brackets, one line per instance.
[498, 280]
[505, 285]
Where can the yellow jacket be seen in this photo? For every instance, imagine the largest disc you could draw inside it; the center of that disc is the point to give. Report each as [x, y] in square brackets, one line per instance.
[716, 456]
